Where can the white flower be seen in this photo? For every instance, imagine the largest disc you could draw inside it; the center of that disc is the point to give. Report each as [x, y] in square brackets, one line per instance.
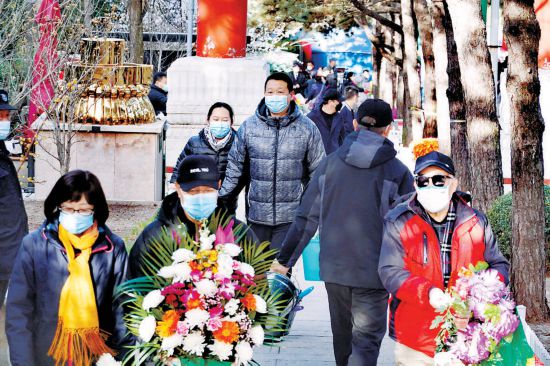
[182, 272]
[225, 265]
[261, 306]
[221, 350]
[232, 306]
[152, 300]
[183, 255]
[147, 328]
[206, 240]
[244, 353]
[206, 287]
[230, 249]
[257, 335]
[196, 317]
[446, 359]
[166, 272]
[169, 343]
[194, 343]
[107, 359]
[246, 269]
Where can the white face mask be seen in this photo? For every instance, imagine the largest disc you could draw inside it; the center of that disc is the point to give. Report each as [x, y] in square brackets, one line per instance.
[434, 199]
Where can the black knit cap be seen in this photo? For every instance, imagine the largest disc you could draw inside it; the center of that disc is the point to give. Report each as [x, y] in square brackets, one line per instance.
[374, 113]
[4, 102]
[437, 159]
[198, 170]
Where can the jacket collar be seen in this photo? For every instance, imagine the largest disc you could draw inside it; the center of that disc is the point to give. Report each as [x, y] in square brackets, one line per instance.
[262, 113]
[153, 86]
[463, 211]
[50, 230]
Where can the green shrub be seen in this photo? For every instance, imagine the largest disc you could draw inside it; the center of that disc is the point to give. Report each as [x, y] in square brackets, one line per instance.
[500, 217]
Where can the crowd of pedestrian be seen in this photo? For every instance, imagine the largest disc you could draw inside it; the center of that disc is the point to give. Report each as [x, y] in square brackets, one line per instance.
[385, 233]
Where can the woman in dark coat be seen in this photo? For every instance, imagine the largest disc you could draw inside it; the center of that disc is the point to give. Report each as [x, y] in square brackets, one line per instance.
[61, 307]
[214, 140]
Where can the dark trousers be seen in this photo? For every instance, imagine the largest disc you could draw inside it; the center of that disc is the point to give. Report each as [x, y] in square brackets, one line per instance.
[3, 290]
[273, 234]
[358, 320]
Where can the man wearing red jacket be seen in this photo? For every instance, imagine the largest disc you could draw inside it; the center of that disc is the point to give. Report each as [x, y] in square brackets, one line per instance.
[426, 241]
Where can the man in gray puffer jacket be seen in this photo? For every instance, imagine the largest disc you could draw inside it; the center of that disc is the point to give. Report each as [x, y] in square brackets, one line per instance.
[279, 148]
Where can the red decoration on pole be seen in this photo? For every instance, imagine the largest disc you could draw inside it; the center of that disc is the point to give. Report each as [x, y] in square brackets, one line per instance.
[221, 28]
[44, 73]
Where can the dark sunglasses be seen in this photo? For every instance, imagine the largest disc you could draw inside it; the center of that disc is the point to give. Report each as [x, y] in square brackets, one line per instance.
[438, 180]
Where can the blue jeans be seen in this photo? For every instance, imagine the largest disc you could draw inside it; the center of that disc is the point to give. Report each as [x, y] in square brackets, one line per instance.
[358, 320]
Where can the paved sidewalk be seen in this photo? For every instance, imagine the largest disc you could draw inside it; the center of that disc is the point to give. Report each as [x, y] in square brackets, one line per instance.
[310, 339]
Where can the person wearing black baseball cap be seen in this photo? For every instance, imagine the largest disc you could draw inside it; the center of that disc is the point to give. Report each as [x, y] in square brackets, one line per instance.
[346, 200]
[194, 201]
[427, 240]
[13, 218]
[324, 117]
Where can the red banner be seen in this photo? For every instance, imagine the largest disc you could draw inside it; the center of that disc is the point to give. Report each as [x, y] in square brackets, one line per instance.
[221, 28]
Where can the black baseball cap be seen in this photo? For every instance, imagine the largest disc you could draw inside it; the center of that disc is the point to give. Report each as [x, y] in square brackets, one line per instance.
[4, 102]
[198, 170]
[437, 159]
[374, 113]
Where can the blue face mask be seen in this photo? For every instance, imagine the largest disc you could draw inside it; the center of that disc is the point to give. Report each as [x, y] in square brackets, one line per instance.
[276, 103]
[220, 129]
[200, 206]
[76, 223]
[4, 129]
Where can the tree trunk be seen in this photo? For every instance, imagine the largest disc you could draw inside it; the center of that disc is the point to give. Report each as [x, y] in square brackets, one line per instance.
[479, 92]
[135, 17]
[457, 109]
[426, 31]
[376, 73]
[522, 34]
[414, 123]
[386, 82]
[87, 9]
[442, 79]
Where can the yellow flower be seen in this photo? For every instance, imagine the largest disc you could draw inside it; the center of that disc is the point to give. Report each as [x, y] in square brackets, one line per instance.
[169, 323]
[424, 146]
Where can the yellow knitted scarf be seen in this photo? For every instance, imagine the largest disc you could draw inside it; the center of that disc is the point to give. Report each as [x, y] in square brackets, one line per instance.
[78, 339]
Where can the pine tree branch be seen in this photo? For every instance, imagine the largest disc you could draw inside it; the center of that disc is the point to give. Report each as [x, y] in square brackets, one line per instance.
[380, 19]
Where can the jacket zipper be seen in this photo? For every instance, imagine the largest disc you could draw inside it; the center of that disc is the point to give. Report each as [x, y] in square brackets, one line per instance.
[275, 173]
[425, 249]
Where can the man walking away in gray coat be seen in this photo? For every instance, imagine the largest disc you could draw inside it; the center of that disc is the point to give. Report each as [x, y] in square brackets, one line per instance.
[13, 218]
[347, 200]
[277, 149]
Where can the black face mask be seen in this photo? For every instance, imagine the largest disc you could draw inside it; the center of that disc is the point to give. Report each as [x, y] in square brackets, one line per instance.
[338, 107]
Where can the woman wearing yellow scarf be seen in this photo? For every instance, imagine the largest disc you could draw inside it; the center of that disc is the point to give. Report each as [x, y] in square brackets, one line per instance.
[60, 308]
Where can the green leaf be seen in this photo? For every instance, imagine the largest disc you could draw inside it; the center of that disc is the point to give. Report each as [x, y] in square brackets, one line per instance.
[435, 323]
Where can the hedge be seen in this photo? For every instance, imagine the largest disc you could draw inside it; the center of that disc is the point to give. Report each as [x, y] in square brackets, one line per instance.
[500, 217]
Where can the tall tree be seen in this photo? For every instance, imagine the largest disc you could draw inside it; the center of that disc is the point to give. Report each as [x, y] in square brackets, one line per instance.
[136, 11]
[457, 109]
[425, 28]
[414, 123]
[437, 11]
[522, 34]
[479, 92]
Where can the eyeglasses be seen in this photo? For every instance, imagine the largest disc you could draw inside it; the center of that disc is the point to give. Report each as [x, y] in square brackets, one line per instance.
[71, 211]
[437, 180]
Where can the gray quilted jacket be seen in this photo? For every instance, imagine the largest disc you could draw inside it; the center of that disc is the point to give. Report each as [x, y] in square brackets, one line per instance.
[279, 156]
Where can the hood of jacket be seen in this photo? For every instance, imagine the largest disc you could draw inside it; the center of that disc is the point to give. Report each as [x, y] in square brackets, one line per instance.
[366, 149]
[263, 115]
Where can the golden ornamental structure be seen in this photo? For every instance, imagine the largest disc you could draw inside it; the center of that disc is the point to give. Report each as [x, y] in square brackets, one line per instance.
[101, 89]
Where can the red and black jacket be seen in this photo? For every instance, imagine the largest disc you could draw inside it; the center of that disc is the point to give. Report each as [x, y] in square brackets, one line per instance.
[410, 266]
